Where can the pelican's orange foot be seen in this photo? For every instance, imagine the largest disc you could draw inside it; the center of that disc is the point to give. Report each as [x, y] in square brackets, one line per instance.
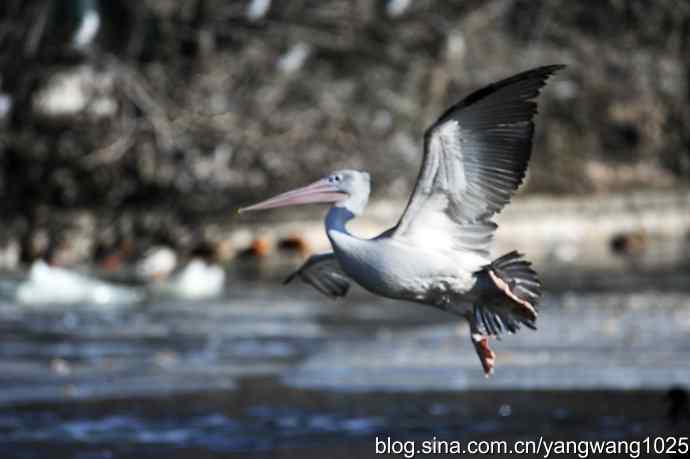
[487, 357]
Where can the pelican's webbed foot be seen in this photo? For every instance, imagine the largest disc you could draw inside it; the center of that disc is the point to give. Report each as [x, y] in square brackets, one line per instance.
[487, 357]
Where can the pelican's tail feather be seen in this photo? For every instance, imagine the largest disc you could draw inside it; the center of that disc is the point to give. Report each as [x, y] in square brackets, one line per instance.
[513, 295]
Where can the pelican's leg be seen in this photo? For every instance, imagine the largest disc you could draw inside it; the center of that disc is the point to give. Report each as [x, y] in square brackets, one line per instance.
[487, 357]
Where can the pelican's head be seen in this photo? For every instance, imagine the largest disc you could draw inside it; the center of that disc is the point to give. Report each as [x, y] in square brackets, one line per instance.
[344, 188]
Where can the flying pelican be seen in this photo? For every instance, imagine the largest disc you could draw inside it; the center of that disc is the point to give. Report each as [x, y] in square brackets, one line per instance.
[475, 157]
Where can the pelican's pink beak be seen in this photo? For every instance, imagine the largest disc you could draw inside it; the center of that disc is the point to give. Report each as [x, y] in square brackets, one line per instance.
[320, 191]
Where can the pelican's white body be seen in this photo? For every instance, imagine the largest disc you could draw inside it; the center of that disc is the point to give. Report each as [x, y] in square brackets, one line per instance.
[394, 268]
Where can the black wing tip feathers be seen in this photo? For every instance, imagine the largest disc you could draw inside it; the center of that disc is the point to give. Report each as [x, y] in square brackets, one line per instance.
[551, 68]
[537, 73]
[546, 70]
[540, 74]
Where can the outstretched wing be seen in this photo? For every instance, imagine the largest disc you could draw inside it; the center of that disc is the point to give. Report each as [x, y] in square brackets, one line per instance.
[475, 157]
[323, 272]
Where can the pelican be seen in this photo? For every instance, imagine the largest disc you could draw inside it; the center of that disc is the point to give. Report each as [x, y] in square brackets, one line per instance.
[475, 157]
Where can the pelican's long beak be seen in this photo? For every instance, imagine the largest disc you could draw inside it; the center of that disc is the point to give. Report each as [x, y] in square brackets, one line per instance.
[320, 191]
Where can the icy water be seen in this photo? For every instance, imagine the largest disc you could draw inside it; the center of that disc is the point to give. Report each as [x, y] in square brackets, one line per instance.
[273, 371]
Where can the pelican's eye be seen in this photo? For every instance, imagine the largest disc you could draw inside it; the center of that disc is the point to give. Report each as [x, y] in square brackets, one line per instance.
[334, 179]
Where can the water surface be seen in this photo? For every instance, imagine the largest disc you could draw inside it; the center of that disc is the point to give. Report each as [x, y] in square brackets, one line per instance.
[270, 370]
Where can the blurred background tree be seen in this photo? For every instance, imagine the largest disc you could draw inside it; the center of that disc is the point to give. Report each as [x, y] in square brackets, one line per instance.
[195, 106]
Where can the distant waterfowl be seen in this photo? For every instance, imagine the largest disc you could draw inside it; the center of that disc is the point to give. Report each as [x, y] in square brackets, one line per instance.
[196, 280]
[296, 244]
[158, 263]
[632, 243]
[200, 278]
[475, 157]
[259, 248]
[9, 254]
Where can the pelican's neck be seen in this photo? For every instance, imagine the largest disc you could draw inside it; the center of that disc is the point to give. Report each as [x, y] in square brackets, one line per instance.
[344, 211]
[336, 229]
[337, 218]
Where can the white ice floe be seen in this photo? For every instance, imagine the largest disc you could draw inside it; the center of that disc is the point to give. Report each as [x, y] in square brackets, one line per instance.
[54, 285]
